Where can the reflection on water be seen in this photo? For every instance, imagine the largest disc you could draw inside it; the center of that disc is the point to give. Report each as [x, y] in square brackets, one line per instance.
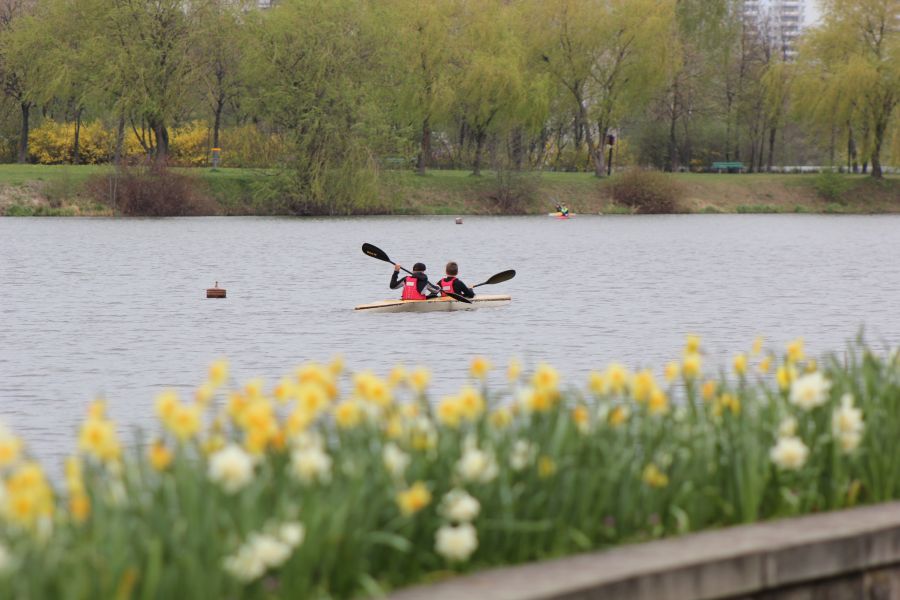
[116, 307]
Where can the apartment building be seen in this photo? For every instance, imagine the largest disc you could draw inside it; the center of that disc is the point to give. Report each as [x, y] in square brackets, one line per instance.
[783, 21]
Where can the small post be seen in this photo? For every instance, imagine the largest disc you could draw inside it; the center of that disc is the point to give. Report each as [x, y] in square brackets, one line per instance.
[611, 143]
[216, 155]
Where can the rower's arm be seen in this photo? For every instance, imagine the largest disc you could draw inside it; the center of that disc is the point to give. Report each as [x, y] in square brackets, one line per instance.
[462, 289]
[395, 282]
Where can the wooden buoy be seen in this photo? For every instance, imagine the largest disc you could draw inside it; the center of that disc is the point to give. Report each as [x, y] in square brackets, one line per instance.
[215, 292]
[459, 220]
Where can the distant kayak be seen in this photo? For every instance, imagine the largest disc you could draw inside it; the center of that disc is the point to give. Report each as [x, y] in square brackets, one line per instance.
[559, 215]
[434, 305]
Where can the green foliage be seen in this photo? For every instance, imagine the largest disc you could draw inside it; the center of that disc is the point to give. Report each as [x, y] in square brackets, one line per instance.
[757, 209]
[646, 191]
[831, 185]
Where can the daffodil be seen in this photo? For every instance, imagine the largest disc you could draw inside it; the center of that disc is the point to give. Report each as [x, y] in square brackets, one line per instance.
[546, 467]
[847, 424]
[740, 364]
[480, 367]
[765, 365]
[501, 418]
[513, 370]
[218, 373]
[10, 447]
[347, 414]
[231, 468]
[159, 456]
[795, 351]
[419, 379]
[757, 346]
[616, 378]
[414, 498]
[618, 415]
[809, 391]
[691, 365]
[658, 403]
[471, 403]
[642, 385]
[789, 453]
[456, 543]
[450, 411]
[692, 344]
[458, 506]
[653, 477]
[545, 378]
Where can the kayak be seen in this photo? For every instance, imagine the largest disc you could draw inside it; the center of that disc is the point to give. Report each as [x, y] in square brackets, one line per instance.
[433, 305]
[559, 215]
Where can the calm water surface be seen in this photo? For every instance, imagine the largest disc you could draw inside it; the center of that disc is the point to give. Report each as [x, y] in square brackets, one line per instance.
[116, 307]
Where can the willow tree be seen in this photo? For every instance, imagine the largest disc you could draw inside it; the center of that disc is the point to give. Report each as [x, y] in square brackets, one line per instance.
[17, 57]
[148, 62]
[608, 56]
[850, 70]
[312, 64]
[420, 52]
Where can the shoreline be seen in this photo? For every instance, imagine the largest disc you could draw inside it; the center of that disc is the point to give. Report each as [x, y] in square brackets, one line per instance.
[60, 190]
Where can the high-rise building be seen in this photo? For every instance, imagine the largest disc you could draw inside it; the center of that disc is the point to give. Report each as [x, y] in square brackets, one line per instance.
[781, 21]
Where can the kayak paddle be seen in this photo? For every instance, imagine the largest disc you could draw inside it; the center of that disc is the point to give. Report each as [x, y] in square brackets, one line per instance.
[376, 252]
[498, 278]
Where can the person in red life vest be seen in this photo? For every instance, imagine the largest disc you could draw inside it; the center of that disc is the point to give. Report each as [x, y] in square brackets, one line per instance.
[451, 283]
[413, 285]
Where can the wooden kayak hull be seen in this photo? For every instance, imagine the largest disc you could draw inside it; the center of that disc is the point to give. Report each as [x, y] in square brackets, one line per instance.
[434, 305]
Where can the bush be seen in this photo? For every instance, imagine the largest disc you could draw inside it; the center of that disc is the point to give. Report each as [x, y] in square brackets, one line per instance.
[515, 191]
[52, 143]
[647, 192]
[152, 191]
[831, 185]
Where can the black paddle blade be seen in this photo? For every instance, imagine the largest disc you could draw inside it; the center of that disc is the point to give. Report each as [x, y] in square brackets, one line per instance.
[376, 252]
[498, 278]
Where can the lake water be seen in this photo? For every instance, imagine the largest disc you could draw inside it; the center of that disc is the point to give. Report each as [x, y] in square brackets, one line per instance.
[117, 307]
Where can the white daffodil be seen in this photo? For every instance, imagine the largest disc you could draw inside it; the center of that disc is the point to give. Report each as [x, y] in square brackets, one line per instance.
[245, 565]
[810, 391]
[522, 455]
[270, 550]
[847, 424]
[456, 543]
[477, 465]
[457, 505]
[395, 460]
[231, 467]
[292, 533]
[787, 428]
[311, 465]
[789, 453]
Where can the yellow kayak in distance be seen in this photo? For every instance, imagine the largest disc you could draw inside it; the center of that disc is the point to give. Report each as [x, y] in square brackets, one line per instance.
[443, 304]
[559, 215]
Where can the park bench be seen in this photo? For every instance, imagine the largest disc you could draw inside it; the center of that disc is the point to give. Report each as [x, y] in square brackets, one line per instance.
[728, 167]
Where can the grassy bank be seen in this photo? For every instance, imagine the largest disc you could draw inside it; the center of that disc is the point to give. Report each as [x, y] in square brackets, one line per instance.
[61, 190]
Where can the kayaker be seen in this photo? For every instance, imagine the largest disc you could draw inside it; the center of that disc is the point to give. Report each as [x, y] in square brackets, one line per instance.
[451, 283]
[413, 285]
[564, 210]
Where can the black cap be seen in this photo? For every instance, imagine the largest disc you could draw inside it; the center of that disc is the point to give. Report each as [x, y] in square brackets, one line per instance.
[419, 267]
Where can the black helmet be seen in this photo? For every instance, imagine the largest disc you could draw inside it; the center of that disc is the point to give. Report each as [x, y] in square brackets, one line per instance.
[419, 267]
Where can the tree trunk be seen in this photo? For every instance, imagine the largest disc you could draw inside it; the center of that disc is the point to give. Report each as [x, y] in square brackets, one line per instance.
[880, 128]
[425, 148]
[773, 133]
[120, 140]
[23, 136]
[673, 142]
[76, 147]
[518, 148]
[162, 142]
[217, 121]
[479, 149]
[852, 164]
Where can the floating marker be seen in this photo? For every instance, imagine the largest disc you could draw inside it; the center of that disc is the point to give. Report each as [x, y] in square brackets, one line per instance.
[215, 292]
[459, 220]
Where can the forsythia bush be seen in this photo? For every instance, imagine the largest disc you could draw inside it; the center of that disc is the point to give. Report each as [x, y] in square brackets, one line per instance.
[189, 145]
[298, 490]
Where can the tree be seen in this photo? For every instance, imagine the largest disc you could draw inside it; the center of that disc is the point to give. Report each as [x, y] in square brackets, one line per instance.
[850, 70]
[607, 55]
[16, 74]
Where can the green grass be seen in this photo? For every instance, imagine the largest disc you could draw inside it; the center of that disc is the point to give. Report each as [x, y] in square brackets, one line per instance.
[20, 174]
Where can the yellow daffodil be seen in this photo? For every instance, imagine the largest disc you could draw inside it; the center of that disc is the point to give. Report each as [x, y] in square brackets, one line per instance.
[692, 344]
[616, 378]
[471, 403]
[414, 499]
[642, 385]
[450, 411]
[765, 365]
[79, 507]
[581, 416]
[740, 364]
[513, 370]
[708, 390]
[419, 379]
[480, 367]
[218, 373]
[545, 377]
[336, 367]
[10, 448]
[672, 370]
[811, 366]
[165, 404]
[546, 467]
[284, 390]
[185, 421]
[397, 376]
[98, 438]
[159, 456]
[653, 477]
[784, 376]
[204, 394]
[618, 415]
[596, 383]
[501, 418]
[795, 351]
[311, 397]
[690, 366]
[757, 346]
[347, 414]
[658, 403]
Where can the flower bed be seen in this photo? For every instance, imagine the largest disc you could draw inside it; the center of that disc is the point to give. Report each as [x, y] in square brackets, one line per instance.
[299, 491]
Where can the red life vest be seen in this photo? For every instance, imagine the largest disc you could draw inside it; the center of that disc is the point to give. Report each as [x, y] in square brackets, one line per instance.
[411, 289]
[446, 285]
